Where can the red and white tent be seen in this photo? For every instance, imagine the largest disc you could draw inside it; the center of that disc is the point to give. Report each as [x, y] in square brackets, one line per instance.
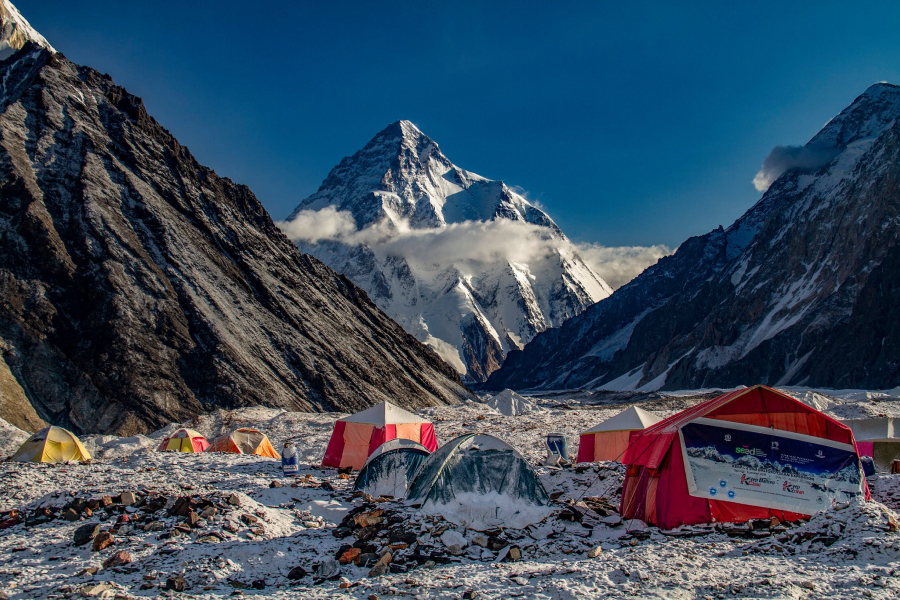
[753, 453]
[357, 436]
[609, 439]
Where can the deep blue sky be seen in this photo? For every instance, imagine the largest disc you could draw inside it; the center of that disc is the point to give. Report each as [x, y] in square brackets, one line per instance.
[631, 123]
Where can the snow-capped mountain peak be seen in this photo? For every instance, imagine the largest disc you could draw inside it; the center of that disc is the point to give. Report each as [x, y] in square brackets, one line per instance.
[463, 262]
[15, 31]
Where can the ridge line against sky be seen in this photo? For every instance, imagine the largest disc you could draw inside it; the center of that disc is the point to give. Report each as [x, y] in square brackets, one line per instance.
[630, 126]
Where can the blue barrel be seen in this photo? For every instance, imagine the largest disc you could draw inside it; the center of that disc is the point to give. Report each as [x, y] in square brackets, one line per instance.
[289, 463]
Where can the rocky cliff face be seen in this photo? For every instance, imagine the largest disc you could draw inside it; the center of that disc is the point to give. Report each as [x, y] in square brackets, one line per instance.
[137, 287]
[464, 263]
[801, 290]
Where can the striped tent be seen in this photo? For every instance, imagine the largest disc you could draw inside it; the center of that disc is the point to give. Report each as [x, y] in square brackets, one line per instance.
[184, 440]
[357, 436]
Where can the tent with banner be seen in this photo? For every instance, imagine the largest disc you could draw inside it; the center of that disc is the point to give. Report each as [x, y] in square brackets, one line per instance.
[51, 445]
[609, 439]
[184, 440]
[244, 441]
[480, 482]
[355, 437]
[391, 468]
[752, 453]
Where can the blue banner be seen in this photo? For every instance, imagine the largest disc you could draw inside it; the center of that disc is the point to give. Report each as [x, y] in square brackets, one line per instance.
[766, 467]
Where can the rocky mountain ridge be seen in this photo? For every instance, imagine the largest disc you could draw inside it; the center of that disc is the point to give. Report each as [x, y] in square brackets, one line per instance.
[464, 263]
[801, 290]
[138, 287]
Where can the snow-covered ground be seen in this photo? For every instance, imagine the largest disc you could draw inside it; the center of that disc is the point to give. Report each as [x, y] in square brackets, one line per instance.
[258, 535]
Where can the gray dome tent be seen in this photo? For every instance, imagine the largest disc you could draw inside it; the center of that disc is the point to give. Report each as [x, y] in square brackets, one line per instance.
[480, 482]
[391, 467]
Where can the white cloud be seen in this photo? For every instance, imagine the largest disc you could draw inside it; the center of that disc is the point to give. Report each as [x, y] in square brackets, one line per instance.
[316, 225]
[470, 242]
[782, 158]
[620, 264]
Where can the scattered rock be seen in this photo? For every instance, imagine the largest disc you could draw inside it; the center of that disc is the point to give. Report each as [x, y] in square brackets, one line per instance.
[234, 500]
[128, 498]
[103, 540]
[86, 533]
[176, 584]
[378, 570]
[480, 540]
[452, 537]
[118, 559]
[329, 569]
[276, 484]
[297, 573]
[249, 519]
[595, 552]
[70, 515]
[514, 554]
[350, 555]
[209, 512]
[92, 591]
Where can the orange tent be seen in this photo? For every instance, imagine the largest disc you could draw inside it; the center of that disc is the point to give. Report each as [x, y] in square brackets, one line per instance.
[184, 440]
[244, 441]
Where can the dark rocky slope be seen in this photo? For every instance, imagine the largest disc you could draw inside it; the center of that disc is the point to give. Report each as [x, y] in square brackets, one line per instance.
[137, 287]
[801, 290]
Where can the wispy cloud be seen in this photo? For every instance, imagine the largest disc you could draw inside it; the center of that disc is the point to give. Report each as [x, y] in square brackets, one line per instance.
[783, 158]
[618, 265]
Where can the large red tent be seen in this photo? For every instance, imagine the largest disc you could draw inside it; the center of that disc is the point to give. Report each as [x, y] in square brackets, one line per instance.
[657, 488]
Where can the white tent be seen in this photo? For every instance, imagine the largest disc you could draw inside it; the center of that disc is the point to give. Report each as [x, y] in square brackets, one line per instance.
[511, 404]
[609, 439]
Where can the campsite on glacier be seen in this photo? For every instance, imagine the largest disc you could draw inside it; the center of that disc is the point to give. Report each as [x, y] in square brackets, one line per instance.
[389, 376]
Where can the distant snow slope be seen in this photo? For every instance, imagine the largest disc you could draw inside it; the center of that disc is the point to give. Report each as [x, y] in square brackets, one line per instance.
[462, 262]
[15, 31]
[801, 290]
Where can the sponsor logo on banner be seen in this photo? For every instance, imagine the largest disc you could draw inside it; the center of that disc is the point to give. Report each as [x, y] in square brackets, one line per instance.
[797, 473]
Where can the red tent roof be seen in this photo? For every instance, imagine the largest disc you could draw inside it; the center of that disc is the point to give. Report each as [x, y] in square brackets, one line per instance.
[758, 405]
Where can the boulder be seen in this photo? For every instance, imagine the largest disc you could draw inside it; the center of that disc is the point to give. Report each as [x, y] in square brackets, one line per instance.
[118, 559]
[86, 533]
[103, 540]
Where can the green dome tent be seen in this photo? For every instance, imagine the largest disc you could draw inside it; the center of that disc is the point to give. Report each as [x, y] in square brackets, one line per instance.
[391, 468]
[480, 482]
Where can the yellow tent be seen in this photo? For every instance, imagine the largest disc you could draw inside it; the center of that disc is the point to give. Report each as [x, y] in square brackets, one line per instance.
[51, 445]
[244, 441]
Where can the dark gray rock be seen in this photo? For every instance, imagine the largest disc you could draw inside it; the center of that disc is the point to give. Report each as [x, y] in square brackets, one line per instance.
[86, 533]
